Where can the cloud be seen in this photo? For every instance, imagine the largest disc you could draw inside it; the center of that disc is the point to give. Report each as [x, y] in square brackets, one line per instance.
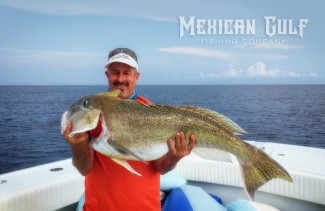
[149, 9]
[23, 56]
[256, 70]
[230, 73]
[281, 46]
[50, 54]
[313, 75]
[58, 7]
[196, 52]
[161, 18]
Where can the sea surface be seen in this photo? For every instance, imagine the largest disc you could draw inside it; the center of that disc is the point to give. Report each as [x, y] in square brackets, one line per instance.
[30, 115]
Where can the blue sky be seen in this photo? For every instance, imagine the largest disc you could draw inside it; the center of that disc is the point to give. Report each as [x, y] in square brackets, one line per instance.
[67, 42]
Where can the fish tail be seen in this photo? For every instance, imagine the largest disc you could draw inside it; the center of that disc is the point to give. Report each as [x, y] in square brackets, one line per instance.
[259, 170]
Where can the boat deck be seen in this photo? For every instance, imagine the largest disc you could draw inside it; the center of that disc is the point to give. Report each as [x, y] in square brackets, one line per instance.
[57, 185]
[305, 165]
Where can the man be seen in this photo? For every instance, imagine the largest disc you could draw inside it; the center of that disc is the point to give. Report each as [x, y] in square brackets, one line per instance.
[108, 186]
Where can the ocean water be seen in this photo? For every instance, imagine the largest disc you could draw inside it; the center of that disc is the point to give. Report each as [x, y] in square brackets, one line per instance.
[30, 115]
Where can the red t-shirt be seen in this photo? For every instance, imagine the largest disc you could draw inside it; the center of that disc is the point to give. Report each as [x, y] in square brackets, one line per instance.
[111, 187]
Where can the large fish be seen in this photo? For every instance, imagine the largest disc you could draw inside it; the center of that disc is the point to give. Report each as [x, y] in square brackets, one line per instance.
[130, 130]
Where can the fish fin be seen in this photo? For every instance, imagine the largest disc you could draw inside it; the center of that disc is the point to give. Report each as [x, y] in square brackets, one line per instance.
[126, 165]
[145, 104]
[217, 118]
[260, 169]
[87, 125]
[213, 154]
[114, 93]
[230, 125]
[125, 151]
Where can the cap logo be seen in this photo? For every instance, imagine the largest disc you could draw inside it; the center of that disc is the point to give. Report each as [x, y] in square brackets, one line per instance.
[121, 55]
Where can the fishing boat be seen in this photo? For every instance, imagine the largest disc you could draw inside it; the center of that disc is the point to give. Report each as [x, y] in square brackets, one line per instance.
[59, 186]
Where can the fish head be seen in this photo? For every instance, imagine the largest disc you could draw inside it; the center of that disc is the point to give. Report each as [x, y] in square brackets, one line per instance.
[89, 114]
[85, 115]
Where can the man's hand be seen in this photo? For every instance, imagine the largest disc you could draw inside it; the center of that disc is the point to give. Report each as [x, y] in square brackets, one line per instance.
[77, 138]
[176, 152]
[82, 153]
[180, 149]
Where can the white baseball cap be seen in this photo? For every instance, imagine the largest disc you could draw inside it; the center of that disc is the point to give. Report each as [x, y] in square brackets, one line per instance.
[123, 58]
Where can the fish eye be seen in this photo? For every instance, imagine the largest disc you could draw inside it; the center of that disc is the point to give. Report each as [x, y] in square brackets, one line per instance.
[85, 104]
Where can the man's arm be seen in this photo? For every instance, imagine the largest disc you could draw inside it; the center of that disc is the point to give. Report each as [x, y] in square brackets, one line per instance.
[82, 153]
[176, 152]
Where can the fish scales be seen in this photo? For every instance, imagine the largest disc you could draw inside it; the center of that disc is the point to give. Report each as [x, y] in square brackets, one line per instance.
[156, 123]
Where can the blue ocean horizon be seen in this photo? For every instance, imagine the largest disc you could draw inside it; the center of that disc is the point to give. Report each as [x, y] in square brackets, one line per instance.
[30, 115]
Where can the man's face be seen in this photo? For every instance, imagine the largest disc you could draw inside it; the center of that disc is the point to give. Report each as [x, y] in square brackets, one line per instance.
[122, 76]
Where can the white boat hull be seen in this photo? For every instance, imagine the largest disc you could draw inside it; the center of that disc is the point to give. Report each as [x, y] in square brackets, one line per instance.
[39, 188]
